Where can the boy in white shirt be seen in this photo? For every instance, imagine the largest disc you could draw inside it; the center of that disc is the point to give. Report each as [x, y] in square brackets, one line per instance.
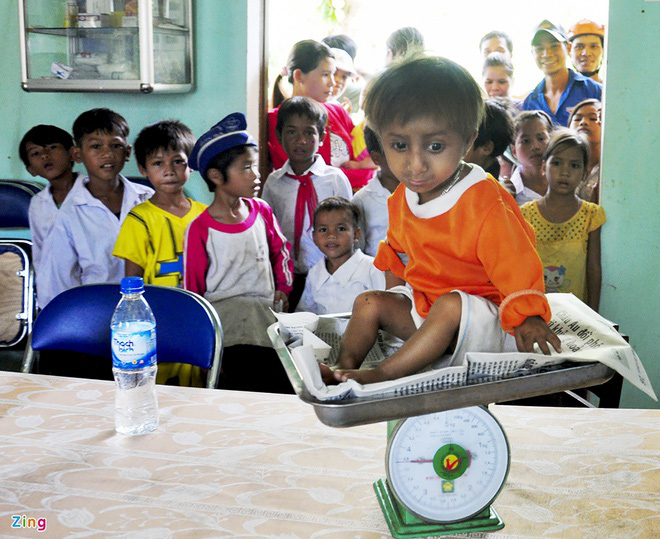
[345, 271]
[372, 198]
[46, 152]
[295, 190]
[79, 248]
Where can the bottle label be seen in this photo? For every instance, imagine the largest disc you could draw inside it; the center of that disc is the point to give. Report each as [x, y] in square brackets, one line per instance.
[134, 350]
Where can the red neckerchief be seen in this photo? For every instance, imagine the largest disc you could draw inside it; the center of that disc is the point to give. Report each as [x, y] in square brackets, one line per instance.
[306, 197]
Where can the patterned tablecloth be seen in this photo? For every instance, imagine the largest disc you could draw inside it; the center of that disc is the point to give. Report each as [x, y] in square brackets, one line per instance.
[228, 464]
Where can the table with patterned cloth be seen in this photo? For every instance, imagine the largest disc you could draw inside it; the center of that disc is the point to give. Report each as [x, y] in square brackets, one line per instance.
[230, 464]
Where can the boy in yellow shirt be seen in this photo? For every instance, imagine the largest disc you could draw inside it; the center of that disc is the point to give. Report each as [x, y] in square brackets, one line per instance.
[151, 237]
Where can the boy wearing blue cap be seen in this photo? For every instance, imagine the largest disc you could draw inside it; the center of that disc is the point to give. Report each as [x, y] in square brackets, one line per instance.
[237, 257]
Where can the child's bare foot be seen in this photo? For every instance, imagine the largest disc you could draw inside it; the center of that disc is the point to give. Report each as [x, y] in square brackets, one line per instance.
[327, 374]
[360, 376]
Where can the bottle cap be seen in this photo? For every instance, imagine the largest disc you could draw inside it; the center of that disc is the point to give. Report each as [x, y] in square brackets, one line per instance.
[132, 285]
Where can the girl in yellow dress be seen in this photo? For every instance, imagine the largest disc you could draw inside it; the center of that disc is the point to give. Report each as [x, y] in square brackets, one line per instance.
[567, 228]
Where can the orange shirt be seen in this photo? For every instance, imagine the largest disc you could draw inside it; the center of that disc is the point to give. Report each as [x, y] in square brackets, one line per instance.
[473, 239]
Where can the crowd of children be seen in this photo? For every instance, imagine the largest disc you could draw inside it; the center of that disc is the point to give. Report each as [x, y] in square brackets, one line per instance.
[414, 234]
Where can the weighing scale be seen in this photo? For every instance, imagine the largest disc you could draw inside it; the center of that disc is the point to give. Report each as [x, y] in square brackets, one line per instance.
[443, 472]
[447, 456]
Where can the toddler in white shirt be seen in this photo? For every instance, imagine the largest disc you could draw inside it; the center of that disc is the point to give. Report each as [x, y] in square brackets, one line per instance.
[345, 271]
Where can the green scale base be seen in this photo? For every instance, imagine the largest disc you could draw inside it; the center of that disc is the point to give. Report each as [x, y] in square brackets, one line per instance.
[404, 524]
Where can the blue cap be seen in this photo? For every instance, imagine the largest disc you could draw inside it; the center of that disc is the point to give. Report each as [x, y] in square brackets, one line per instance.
[132, 285]
[227, 133]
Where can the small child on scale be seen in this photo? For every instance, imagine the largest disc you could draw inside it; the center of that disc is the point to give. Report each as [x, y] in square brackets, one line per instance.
[236, 256]
[455, 236]
[151, 238]
[372, 198]
[46, 151]
[295, 190]
[79, 248]
[345, 271]
[567, 227]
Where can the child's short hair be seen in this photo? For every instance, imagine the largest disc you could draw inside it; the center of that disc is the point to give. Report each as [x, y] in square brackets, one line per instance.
[339, 204]
[499, 35]
[591, 101]
[41, 135]
[404, 41]
[371, 141]
[496, 126]
[165, 135]
[564, 138]
[423, 86]
[527, 115]
[101, 119]
[302, 106]
[343, 42]
[497, 59]
[223, 161]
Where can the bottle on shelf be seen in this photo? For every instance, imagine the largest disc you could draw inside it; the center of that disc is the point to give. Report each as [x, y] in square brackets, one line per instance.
[71, 15]
[134, 360]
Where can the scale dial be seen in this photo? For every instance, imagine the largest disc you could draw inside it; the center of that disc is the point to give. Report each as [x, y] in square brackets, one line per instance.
[447, 466]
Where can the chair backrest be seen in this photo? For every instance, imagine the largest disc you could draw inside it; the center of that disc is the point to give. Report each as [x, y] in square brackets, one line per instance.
[14, 203]
[33, 186]
[188, 329]
[17, 297]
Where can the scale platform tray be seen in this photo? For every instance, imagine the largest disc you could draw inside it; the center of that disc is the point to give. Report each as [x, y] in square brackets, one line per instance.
[361, 411]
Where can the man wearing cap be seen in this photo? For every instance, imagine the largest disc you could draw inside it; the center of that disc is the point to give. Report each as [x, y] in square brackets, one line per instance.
[585, 45]
[561, 87]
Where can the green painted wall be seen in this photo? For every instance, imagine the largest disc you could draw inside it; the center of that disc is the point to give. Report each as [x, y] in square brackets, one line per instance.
[220, 33]
[630, 184]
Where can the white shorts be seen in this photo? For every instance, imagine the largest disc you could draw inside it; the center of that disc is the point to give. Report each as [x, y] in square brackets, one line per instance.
[479, 330]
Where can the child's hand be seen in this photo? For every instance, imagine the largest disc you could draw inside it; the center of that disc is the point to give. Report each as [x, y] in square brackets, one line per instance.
[535, 330]
[346, 103]
[281, 296]
[508, 185]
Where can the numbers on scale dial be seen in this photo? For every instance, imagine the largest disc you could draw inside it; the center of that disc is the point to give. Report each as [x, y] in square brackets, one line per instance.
[445, 463]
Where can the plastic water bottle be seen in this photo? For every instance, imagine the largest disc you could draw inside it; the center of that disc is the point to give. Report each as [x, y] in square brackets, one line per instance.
[134, 360]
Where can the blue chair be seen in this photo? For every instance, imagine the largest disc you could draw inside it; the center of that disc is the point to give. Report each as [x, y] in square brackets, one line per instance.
[188, 329]
[32, 186]
[14, 203]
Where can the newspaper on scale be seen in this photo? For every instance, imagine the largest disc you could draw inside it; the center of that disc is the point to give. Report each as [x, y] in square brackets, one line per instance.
[585, 337]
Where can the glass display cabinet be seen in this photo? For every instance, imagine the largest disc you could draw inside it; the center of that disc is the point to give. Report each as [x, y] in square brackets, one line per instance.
[106, 45]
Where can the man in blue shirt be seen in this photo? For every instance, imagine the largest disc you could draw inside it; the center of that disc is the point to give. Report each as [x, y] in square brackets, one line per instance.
[561, 88]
